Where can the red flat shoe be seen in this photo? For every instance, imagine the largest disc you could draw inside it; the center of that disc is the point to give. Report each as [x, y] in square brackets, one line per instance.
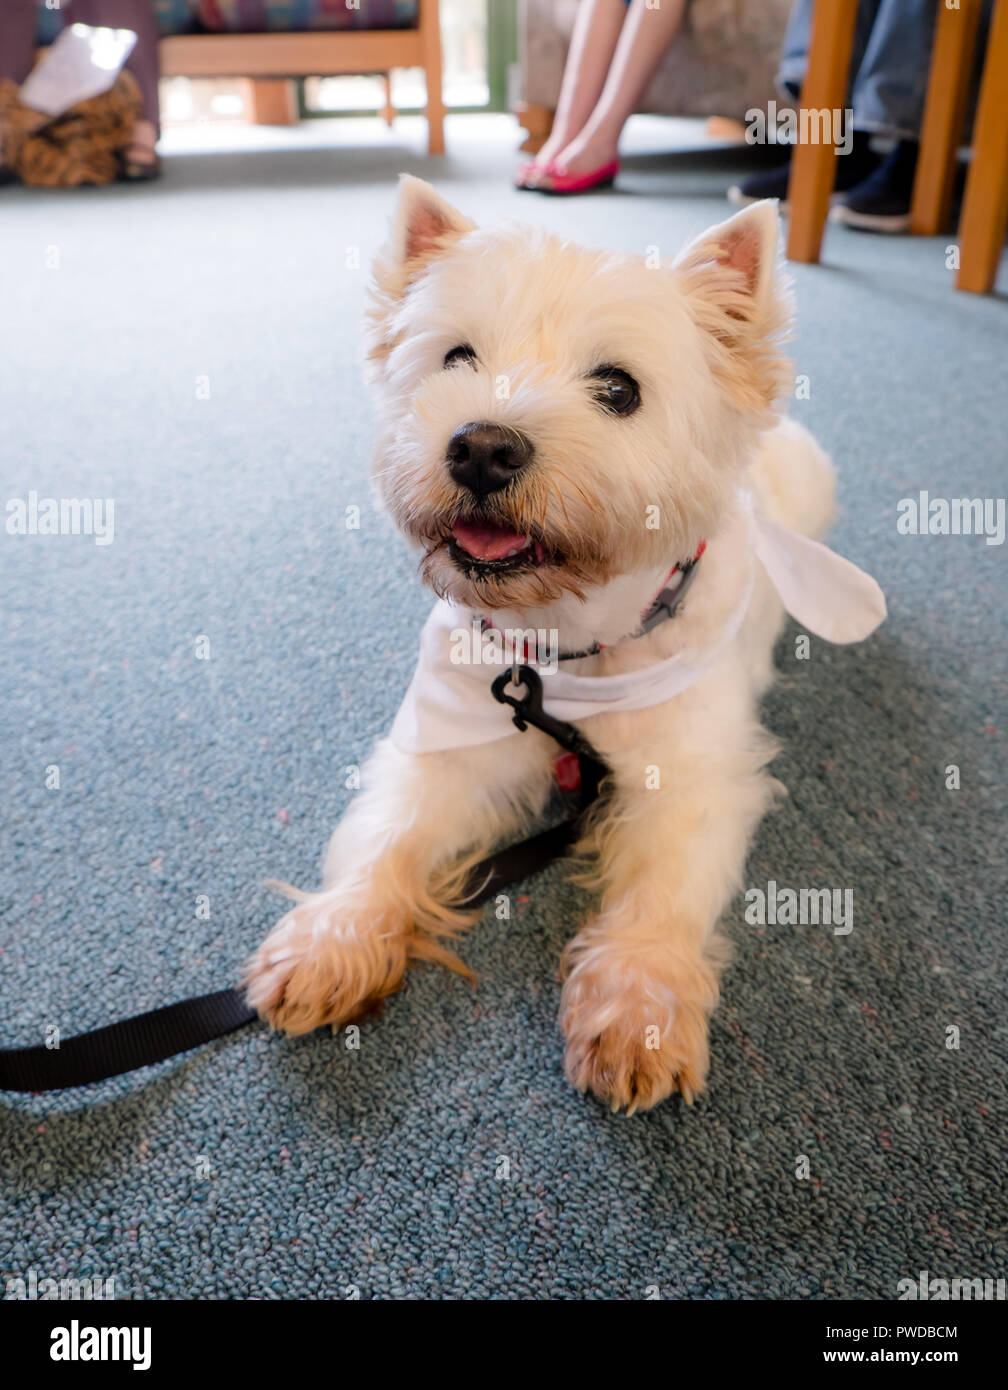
[527, 174]
[578, 183]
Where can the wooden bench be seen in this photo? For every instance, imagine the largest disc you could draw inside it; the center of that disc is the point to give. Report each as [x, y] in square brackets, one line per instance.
[269, 58]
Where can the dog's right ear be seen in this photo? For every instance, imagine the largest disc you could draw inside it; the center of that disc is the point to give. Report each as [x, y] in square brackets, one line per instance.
[424, 225]
[424, 222]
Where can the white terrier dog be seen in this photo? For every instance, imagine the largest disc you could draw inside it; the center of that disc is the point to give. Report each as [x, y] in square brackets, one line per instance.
[561, 428]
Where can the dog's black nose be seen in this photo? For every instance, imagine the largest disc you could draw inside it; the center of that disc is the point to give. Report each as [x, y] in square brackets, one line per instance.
[484, 458]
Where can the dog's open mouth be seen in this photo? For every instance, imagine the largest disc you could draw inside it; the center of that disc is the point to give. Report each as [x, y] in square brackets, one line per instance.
[491, 547]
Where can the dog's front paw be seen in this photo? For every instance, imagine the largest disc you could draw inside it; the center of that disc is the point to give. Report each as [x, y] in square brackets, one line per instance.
[326, 961]
[636, 1023]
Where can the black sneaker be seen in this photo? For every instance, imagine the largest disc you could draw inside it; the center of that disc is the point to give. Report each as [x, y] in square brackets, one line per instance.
[851, 170]
[768, 183]
[881, 203]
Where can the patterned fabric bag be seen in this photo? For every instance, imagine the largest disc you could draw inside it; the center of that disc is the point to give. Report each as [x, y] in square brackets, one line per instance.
[79, 147]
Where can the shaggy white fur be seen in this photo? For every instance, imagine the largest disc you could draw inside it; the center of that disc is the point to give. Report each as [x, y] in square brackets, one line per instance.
[516, 329]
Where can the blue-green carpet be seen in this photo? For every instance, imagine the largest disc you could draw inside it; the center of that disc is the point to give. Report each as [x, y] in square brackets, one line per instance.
[269, 1168]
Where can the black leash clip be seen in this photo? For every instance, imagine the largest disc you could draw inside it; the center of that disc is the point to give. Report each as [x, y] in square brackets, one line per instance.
[528, 708]
[519, 676]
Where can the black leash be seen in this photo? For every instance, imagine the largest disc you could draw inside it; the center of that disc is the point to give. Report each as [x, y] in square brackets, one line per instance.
[126, 1045]
[161, 1033]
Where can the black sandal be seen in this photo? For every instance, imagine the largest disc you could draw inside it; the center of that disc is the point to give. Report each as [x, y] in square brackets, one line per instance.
[138, 170]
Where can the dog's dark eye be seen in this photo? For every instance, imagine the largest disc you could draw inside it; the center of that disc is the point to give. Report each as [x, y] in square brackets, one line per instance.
[616, 390]
[462, 353]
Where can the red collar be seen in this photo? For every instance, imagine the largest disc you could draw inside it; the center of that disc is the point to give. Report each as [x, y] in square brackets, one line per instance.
[661, 607]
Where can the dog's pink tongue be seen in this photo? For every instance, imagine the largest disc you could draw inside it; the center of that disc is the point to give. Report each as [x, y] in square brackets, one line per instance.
[486, 542]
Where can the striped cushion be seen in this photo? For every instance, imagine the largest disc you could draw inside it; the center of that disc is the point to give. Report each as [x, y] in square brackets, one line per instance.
[173, 16]
[260, 16]
[257, 16]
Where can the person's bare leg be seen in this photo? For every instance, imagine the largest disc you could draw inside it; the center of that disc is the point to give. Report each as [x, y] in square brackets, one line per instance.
[650, 27]
[593, 43]
[142, 148]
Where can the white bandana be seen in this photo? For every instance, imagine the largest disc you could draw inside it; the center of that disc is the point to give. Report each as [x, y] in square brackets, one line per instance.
[449, 704]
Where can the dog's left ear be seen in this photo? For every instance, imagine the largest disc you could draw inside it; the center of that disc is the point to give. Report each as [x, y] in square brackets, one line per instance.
[423, 228]
[738, 296]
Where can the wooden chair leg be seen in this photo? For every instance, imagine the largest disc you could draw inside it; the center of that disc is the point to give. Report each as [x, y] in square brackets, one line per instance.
[944, 114]
[430, 32]
[272, 102]
[388, 110]
[985, 205]
[537, 121]
[813, 167]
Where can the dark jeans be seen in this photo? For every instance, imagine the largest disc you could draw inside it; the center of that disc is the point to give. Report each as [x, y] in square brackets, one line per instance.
[18, 20]
[889, 62]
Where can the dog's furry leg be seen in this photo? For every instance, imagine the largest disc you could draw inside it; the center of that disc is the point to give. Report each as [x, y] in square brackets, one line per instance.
[669, 848]
[394, 873]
